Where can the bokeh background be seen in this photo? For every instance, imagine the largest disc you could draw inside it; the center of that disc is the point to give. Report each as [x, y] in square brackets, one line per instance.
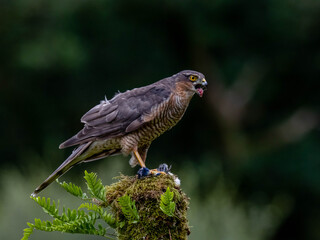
[247, 153]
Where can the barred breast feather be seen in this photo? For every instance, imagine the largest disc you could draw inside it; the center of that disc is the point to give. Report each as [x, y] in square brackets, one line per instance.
[162, 117]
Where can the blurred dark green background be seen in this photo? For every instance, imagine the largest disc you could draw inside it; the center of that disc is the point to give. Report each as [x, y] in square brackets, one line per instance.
[247, 153]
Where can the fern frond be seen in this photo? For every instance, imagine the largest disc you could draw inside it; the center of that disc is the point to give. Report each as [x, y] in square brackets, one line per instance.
[44, 225]
[51, 209]
[109, 219]
[167, 206]
[73, 189]
[27, 232]
[95, 186]
[84, 225]
[91, 207]
[129, 209]
[71, 215]
[76, 220]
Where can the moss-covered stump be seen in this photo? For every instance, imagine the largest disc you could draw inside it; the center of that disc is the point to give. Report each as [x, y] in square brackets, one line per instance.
[153, 223]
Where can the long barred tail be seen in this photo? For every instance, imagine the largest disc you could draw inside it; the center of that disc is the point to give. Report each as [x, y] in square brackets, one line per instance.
[63, 168]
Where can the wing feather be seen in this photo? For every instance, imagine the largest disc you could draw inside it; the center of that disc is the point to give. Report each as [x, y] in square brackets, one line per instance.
[97, 111]
[134, 125]
[120, 115]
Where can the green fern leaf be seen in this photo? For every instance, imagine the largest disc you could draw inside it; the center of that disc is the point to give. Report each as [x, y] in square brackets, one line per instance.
[109, 219]
[95, 186]
[167, 206]
[92, 207]
[43, 225]
[101, 230]
[47, 207]
[27, 232]
[121, 224]
[73, 189]
[75, 220]
[129, 209]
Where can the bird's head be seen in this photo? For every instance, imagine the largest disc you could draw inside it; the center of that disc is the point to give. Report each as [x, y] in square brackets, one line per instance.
[196, 80]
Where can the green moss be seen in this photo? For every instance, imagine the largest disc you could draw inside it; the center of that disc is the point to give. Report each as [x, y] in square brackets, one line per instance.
[153, 223]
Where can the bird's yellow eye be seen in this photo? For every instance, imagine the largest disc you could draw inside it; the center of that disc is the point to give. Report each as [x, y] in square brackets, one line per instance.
[193, 78]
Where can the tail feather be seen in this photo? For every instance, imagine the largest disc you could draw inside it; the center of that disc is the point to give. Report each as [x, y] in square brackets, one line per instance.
[107, 153]
[63, 168]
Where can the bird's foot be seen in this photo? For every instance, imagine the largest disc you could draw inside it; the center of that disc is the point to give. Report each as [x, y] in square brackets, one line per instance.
[143, 172]
[162, 169]
[155, 172]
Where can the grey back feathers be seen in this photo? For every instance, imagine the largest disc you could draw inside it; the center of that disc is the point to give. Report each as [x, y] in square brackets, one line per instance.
[121, 114]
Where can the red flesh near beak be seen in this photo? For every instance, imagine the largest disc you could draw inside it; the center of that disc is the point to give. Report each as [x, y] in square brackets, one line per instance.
[200, 91]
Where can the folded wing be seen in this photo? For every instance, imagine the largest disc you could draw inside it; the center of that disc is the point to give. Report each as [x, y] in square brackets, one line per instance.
[120, 115]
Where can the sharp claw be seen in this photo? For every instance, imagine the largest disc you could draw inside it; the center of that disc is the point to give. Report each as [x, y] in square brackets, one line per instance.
[163, 169]
[143, 172]
[156, 172]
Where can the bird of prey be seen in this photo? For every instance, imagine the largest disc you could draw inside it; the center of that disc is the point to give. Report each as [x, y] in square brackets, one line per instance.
[130, 121]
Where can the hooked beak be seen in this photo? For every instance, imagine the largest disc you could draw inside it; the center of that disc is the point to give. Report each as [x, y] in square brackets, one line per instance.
[201, 86]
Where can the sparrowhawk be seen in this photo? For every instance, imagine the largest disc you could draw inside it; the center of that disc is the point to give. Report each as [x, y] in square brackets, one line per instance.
[130, 121]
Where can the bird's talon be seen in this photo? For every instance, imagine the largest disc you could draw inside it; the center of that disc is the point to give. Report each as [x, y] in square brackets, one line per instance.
[156, 172]
[143, 172]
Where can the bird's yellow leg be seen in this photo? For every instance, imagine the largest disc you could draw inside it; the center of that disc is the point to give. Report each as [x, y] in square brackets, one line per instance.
[138, 157]
[156, 172]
